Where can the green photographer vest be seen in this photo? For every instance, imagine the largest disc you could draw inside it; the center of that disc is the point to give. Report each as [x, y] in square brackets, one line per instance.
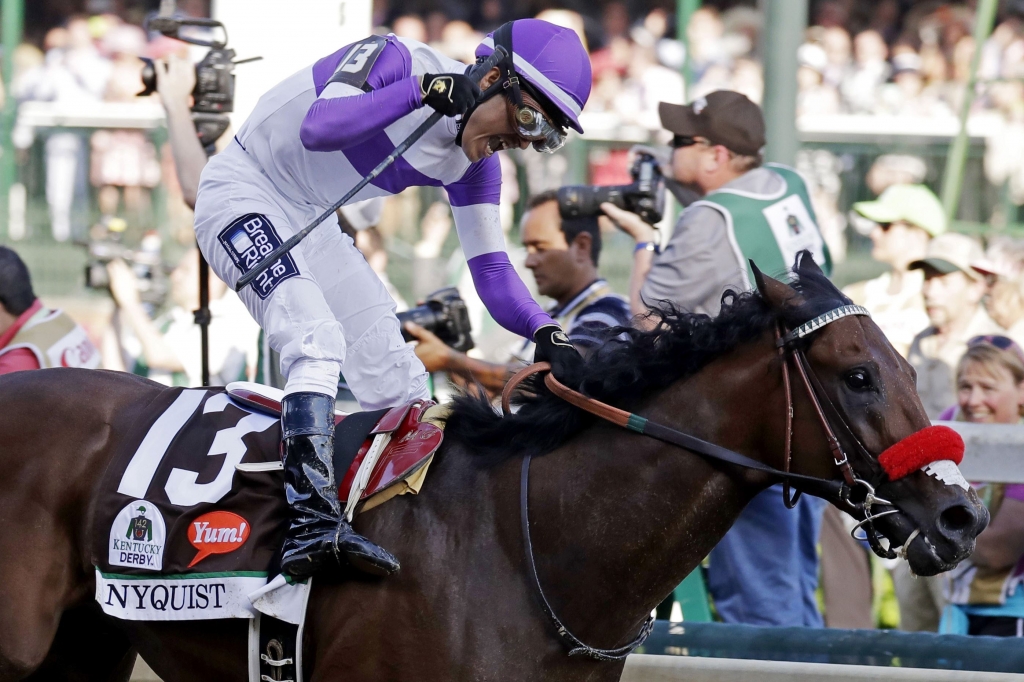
[770, 229]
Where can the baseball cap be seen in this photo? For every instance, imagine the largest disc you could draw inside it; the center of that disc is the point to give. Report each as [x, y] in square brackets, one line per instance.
[916, 204]
[951, 252]
[724, 117]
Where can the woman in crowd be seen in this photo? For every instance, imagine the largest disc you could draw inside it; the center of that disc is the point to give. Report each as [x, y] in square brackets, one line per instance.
[985, 593]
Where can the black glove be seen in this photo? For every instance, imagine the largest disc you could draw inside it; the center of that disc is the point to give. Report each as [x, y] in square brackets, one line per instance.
[554, 346]
[450, 93]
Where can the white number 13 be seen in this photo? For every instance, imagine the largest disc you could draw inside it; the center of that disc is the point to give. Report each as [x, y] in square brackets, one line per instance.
[182, 488]
[355, 63]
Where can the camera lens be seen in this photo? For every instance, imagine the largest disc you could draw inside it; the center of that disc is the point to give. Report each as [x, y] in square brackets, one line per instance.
[575, 201]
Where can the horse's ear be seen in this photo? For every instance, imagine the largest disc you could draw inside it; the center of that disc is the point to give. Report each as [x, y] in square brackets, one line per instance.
[805, 263]
[777, 294]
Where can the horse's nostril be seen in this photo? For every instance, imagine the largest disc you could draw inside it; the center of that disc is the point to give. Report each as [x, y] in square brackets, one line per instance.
[956, 518]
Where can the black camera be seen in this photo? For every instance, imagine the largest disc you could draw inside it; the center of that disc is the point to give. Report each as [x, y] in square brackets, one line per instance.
[214, 93]
[443, 313]
[645, 196]
[105, 244]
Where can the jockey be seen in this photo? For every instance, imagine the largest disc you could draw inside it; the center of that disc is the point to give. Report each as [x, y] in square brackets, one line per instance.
[309, 140]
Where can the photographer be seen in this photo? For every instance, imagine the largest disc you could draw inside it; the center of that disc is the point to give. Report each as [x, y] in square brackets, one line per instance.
[563, 256]
[748, 211]
[167, 349]
[175, 81]
[765, 570]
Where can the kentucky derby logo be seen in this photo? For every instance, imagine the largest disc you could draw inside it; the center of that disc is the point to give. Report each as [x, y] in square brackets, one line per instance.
[140, 527]
[217, 532]
[137, 537]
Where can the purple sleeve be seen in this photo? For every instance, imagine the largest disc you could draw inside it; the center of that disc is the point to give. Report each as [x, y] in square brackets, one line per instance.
[337, 123]
[506, 297]
[1014, 491]
[481, 184]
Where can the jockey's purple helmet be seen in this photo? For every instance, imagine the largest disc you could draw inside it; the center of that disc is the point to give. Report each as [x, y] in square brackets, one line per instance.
[553, 60]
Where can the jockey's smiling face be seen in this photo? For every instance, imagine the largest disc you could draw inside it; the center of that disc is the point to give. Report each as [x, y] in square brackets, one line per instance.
[489, 128]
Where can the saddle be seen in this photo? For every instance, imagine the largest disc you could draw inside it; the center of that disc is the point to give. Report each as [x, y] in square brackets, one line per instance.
[383, 453]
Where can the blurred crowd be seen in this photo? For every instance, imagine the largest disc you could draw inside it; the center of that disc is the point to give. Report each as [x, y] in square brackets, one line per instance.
[87, 61]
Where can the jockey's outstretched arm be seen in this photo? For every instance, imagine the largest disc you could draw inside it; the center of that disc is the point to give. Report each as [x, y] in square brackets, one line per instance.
[501, 289]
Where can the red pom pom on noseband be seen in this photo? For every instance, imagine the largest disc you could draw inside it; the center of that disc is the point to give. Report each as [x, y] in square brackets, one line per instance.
[919, 449]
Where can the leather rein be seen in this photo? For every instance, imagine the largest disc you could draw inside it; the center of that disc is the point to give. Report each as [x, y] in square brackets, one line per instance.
[836, 491]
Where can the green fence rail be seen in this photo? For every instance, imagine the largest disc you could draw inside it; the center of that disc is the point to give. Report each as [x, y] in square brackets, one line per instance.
[848, 647]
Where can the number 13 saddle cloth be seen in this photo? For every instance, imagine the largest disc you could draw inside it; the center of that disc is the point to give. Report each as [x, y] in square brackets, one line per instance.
[192, 513]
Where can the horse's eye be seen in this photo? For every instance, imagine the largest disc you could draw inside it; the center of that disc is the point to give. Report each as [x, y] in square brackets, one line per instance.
[858, 380]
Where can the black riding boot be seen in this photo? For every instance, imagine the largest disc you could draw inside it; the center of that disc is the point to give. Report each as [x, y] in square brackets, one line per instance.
[320, 537]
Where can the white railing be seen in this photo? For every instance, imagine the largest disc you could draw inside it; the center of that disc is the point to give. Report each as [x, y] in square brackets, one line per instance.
[642, 668]
[995, 452]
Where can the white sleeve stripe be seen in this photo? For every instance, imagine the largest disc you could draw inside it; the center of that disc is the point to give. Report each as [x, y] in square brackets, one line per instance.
[479, 228]
[337, 89]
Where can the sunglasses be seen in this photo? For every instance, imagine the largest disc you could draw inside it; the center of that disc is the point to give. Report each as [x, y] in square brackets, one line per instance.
[683, 141]
[1001, 342]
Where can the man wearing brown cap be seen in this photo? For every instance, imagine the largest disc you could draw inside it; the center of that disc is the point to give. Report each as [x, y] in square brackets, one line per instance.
[765, 570]
[749, 210]
[953, 291]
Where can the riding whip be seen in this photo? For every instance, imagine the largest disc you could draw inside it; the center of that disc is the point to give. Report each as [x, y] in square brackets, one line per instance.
[476, 73]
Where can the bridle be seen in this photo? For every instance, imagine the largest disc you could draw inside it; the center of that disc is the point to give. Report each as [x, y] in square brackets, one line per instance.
[838, 492]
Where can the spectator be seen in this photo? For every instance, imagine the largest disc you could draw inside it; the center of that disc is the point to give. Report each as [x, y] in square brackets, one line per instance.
[123, 160]
[905, 218]
[765, 569]
[860, 89]
[563, 255]
[895, 169]
[31, 335]
[167, 349]
[953, 291]
[73, 73]
[985, 591]
[837, 45]
[1005, 304]
[814, 95]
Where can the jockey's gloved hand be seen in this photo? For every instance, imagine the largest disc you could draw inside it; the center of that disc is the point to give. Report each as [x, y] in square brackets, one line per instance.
[554, 346]
[450, 93]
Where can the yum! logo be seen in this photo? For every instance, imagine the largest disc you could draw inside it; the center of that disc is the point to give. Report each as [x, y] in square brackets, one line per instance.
[217, 532]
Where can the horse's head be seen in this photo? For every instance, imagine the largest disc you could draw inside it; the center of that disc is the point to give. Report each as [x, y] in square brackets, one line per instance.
[867, 393]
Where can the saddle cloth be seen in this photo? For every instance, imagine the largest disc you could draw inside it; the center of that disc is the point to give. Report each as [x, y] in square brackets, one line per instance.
[191, 514]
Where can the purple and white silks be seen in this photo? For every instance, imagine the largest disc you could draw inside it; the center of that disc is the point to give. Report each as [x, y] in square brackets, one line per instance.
[353, 123]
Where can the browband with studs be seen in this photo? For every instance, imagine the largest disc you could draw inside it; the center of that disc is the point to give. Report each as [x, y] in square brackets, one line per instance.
[822, 320]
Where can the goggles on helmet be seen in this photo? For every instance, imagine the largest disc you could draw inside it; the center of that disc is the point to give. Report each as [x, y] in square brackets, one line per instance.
[531, 124]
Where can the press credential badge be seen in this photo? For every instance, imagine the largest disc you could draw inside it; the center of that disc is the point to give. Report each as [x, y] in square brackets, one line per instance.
[794, 230]
[137, 537]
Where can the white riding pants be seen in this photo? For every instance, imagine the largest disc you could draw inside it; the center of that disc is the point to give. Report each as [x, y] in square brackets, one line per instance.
[332, 315]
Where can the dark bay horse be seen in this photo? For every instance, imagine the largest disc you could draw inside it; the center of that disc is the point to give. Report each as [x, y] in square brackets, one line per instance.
[617, 519]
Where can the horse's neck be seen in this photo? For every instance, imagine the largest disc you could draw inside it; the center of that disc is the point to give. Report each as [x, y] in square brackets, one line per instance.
[619, 519]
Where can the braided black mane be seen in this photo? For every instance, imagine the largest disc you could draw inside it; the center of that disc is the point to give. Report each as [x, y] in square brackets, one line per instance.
[621, 371]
